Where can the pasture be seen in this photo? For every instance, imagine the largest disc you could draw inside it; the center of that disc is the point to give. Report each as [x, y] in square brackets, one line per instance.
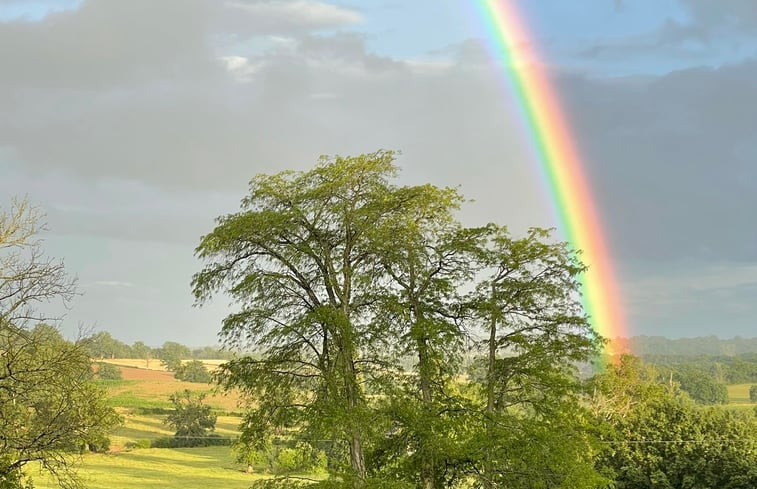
[150, 388]
[159, 468]
[139, 398]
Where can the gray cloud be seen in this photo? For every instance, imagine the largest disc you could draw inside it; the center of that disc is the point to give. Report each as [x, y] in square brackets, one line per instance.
[711, 27]
[672, 159]
[135, 136]
[740, 14]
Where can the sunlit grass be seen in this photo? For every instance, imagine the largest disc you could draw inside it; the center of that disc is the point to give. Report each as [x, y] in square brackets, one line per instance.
[185, 468]
[150, 427]
[739, 394]
[153, 391]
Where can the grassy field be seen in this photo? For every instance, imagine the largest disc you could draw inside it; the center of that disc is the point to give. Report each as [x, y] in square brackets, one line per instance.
[142, 391]
[159, 468]
[150, 388]
[739, 394]
[738, 398]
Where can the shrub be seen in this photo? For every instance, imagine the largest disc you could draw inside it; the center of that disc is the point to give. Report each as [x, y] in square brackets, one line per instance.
[108, 372]
[753, 393]
[192, 420]
[302, 458]
[212, 440]
[137, 444]
[193, 371]
[100, 444]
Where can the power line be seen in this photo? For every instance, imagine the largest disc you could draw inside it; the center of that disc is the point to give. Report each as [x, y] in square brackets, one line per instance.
[643, 442]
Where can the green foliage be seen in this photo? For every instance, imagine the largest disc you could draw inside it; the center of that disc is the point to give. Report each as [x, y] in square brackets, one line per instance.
[103, 345]
[208, 440]
[212, 353]
[138, 444]
[140, 350]
[172, 353]
[192, 420]
[49, 405]
[753, 393]
[700, 386]
[13, 479]
[193, 371]
[106, 371]
[302, 458]
[660, 439]
[343, 279]
[736, 369]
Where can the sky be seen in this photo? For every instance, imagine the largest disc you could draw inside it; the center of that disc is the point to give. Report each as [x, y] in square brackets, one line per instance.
[134, 124]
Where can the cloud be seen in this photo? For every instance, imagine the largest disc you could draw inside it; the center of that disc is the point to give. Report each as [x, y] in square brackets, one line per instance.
[283, 15]
[240, 68]
[114, 283]
[97, 46]
[141, 139]
[671, 159]
[723, 14]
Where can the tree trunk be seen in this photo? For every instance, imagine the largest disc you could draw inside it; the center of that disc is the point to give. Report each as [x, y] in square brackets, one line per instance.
[353, 400]
[490, 397]
[357, 460]
[428, 472]
[425, 374]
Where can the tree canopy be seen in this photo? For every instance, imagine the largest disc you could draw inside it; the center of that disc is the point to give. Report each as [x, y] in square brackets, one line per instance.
[49, 406]
[366, 298]
[658, 438]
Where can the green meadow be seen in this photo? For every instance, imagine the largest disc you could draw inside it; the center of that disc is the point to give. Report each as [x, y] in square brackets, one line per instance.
[140, 401]
[159, 468]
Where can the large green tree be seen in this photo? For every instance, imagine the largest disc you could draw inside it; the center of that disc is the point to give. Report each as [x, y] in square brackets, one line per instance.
[103, 345]
[171, 355]
[363, 298]
[49, 406]
[299, 261]
[191, 418]
[535, 333]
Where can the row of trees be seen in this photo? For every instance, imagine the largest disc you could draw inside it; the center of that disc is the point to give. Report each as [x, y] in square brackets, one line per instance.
[703, 345]
[340, 274]
[736, 369]
[49, 405]
[103, 345]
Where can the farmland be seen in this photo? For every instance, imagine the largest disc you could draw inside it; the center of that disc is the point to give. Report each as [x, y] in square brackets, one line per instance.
[140, 398]
[188, 468]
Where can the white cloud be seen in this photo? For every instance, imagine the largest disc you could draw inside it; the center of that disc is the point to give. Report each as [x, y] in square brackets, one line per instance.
[240, 68]
[299, 12]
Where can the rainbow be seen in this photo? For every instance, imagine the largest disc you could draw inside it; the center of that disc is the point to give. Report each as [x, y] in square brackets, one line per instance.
[560, 164]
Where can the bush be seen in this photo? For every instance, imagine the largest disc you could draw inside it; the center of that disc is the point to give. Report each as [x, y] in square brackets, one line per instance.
[193, 371]
[192, 420]
[302, 458]
[107, 371]
[137, 444]
[99, 445]
[753, 393]
[212, 440]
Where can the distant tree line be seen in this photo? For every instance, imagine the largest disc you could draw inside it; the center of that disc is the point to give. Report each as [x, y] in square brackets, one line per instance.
[703, 345]
[102, 345]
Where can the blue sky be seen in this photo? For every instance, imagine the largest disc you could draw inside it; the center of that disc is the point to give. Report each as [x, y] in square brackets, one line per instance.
[133, 124]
